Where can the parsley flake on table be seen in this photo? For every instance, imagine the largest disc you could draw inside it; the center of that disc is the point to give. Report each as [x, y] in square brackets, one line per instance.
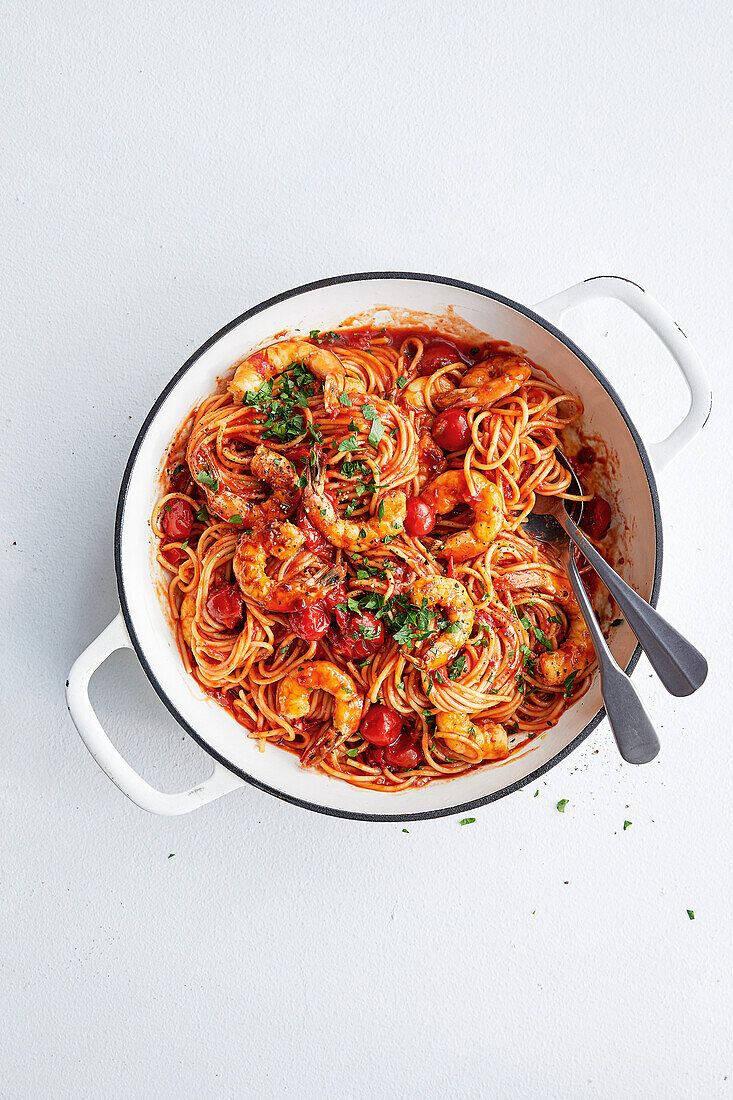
[691, 914]
[467, 820]
[562, 804]
[626, 825]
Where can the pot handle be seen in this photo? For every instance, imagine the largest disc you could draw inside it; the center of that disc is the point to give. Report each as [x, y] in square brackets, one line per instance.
[671, 335]
[220, 782]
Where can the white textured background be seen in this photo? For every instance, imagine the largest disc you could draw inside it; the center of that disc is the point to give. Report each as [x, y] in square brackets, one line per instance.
[165, 166]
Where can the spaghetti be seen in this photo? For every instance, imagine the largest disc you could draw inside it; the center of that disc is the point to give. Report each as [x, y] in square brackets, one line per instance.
[348, 576]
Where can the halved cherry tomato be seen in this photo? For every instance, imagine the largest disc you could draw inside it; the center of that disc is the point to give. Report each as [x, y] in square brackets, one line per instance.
[439, 355]
[177, 519]
[419, 518]
[356, 636]
[311, 623]
[451, 430]
[336, 596]
[404, 753]
[375, 756]
[173, 554]
[225, 604]
[596, 517]
[382, 725]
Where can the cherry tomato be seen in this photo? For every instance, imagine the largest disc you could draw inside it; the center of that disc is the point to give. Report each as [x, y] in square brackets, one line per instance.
[420, 517]
[382, 725]
[439, 355]
[404, 753]
[225, 605]
[356, 636]
[314, 540]
[596, 517]
[177, 519]
[181, 479]
[173, 555]
[336, 596]
[451, 430]
[310, 624]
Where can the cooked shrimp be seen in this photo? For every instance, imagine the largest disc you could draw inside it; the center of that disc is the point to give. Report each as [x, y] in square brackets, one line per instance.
[344, 533]
[281, 540]
[259, 367]
[220, 486]
[415, 393]
[452, 597]
[448, 491]
[576, 652]
[472, 739]
[294, 702]
[431, 459]
[488, 382]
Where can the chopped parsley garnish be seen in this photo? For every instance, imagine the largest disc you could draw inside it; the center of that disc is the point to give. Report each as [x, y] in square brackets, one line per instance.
[562, 804]
[281, 423]
[555, 619]
[344, 399]
[529, 658]
[691, 914]
[178, 470]
[351, 443]
[319, 337]
[184, 545]
[401, 381]
[570, 680]
[380, 511]
[626, 825]
[207, 479]
[202, 516]
[237, 519]
[457, 666]
[355, 468]
[466, 820]
[541, 637]
[352, 752]
[377, 429]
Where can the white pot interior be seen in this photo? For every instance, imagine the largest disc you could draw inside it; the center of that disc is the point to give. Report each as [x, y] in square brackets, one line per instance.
[323, 308]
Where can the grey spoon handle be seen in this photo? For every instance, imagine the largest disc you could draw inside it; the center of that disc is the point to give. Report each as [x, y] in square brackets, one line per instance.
[681, 668]
[635, 735]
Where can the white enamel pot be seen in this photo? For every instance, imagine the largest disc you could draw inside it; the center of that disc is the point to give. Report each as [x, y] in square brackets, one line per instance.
[143, 626]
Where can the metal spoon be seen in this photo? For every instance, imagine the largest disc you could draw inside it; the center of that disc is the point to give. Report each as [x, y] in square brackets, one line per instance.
[681, 668]
[632, 728]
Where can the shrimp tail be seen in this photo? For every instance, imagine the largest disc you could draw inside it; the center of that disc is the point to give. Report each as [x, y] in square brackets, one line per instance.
[316, 470]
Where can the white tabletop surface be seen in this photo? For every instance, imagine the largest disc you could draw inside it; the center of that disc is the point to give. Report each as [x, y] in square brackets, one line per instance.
[165, 166]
